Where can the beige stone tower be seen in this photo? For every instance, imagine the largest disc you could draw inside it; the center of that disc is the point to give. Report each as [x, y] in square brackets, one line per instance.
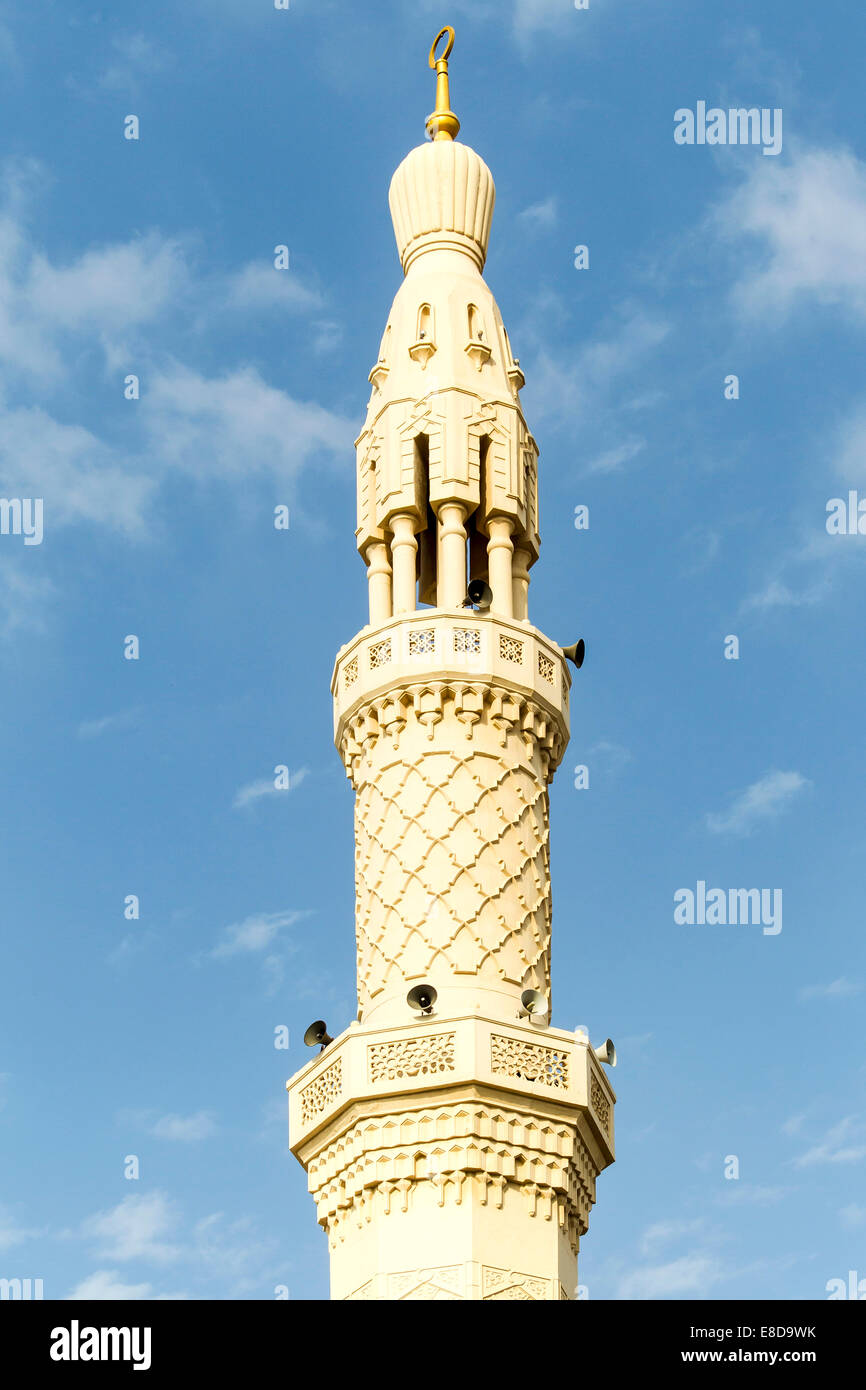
[452, 1139]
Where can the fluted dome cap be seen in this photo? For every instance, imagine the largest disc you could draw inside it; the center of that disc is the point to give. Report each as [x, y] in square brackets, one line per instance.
[442, 195]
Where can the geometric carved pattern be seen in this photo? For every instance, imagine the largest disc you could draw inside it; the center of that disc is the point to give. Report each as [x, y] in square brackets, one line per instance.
[321, 1093]
[380, 655]
[547, 1066]
[411, 1057]
[508, 1284]
[467, 639]
[510, 649]
[600, 1103]
[350, 672]
[545, 667]
[421, 640]
[452, 868]
[434, 1285]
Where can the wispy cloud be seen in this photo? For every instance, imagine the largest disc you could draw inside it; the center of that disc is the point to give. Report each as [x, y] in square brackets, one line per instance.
[258, 285]
[254, 934]
[125, 719]
[266, 786]
[843, 1143]
[184, 1129]
[806, 217]
[541, 215]
[109, 1284]
[12, 1233]
[689, 1276]
[843, 988]
[139, 1227]
[762, 801]
[744, 1194]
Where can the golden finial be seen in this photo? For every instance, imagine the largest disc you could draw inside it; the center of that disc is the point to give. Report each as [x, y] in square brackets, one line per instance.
[442, 124]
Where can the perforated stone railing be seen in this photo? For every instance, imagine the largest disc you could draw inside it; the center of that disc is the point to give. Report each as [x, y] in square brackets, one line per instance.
[451, 646]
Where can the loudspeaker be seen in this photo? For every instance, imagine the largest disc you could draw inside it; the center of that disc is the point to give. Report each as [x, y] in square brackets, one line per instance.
[532, 1001]
[480, 595]
[575, 653]
[606, 1053]
[421, 999]
[317, 1034]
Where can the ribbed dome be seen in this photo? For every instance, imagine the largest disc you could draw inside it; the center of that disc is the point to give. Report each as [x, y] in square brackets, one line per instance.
[442, 195]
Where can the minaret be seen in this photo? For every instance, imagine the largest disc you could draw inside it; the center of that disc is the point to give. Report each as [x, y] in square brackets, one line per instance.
[451, 1136]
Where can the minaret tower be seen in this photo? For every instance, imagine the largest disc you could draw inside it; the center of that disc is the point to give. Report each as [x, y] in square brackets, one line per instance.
[451, 1136]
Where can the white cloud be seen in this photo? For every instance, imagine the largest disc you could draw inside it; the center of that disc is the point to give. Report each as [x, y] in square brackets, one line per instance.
[613, 757]
[794, 1124]
[540, 215]
[742, 1194]
[136, 1228]
[536, 16]
[11, 1233]
[108, 288]
[108, 1284]
[689, 1276]
[77, 476]
[808, 217]
[611, 460]
[134, 57]
[843, 988]
[236, 426]
[185, 1129]
[853, 1215]
[843, 1143]
[661, 1233]
[25, 594]
[92, 728]
[777, 594]
[254, 934]
[264, 786]
[260, 285]
[762, 801]
[580, 390]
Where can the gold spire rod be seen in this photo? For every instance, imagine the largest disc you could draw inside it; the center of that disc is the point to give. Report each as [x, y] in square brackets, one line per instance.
[442, 124]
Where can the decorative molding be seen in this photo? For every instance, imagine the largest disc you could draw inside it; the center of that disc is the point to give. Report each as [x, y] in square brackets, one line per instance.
[546, 1066]
[499, 1284]
[418, 1056]
[464, 1152]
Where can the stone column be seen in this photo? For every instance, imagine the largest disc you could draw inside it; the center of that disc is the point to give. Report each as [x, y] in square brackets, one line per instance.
[499, 552]
[379, 581]
[451, 588]
[404, 548]
[520, 583]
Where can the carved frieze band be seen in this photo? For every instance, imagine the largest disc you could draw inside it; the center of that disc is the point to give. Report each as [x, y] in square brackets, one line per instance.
[375, 1167]
[479, 703]
[528, 1061]
[449, 1283]
[419, 1056]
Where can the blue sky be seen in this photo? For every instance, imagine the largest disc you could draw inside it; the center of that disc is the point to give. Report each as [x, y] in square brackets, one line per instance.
[154, 1037]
